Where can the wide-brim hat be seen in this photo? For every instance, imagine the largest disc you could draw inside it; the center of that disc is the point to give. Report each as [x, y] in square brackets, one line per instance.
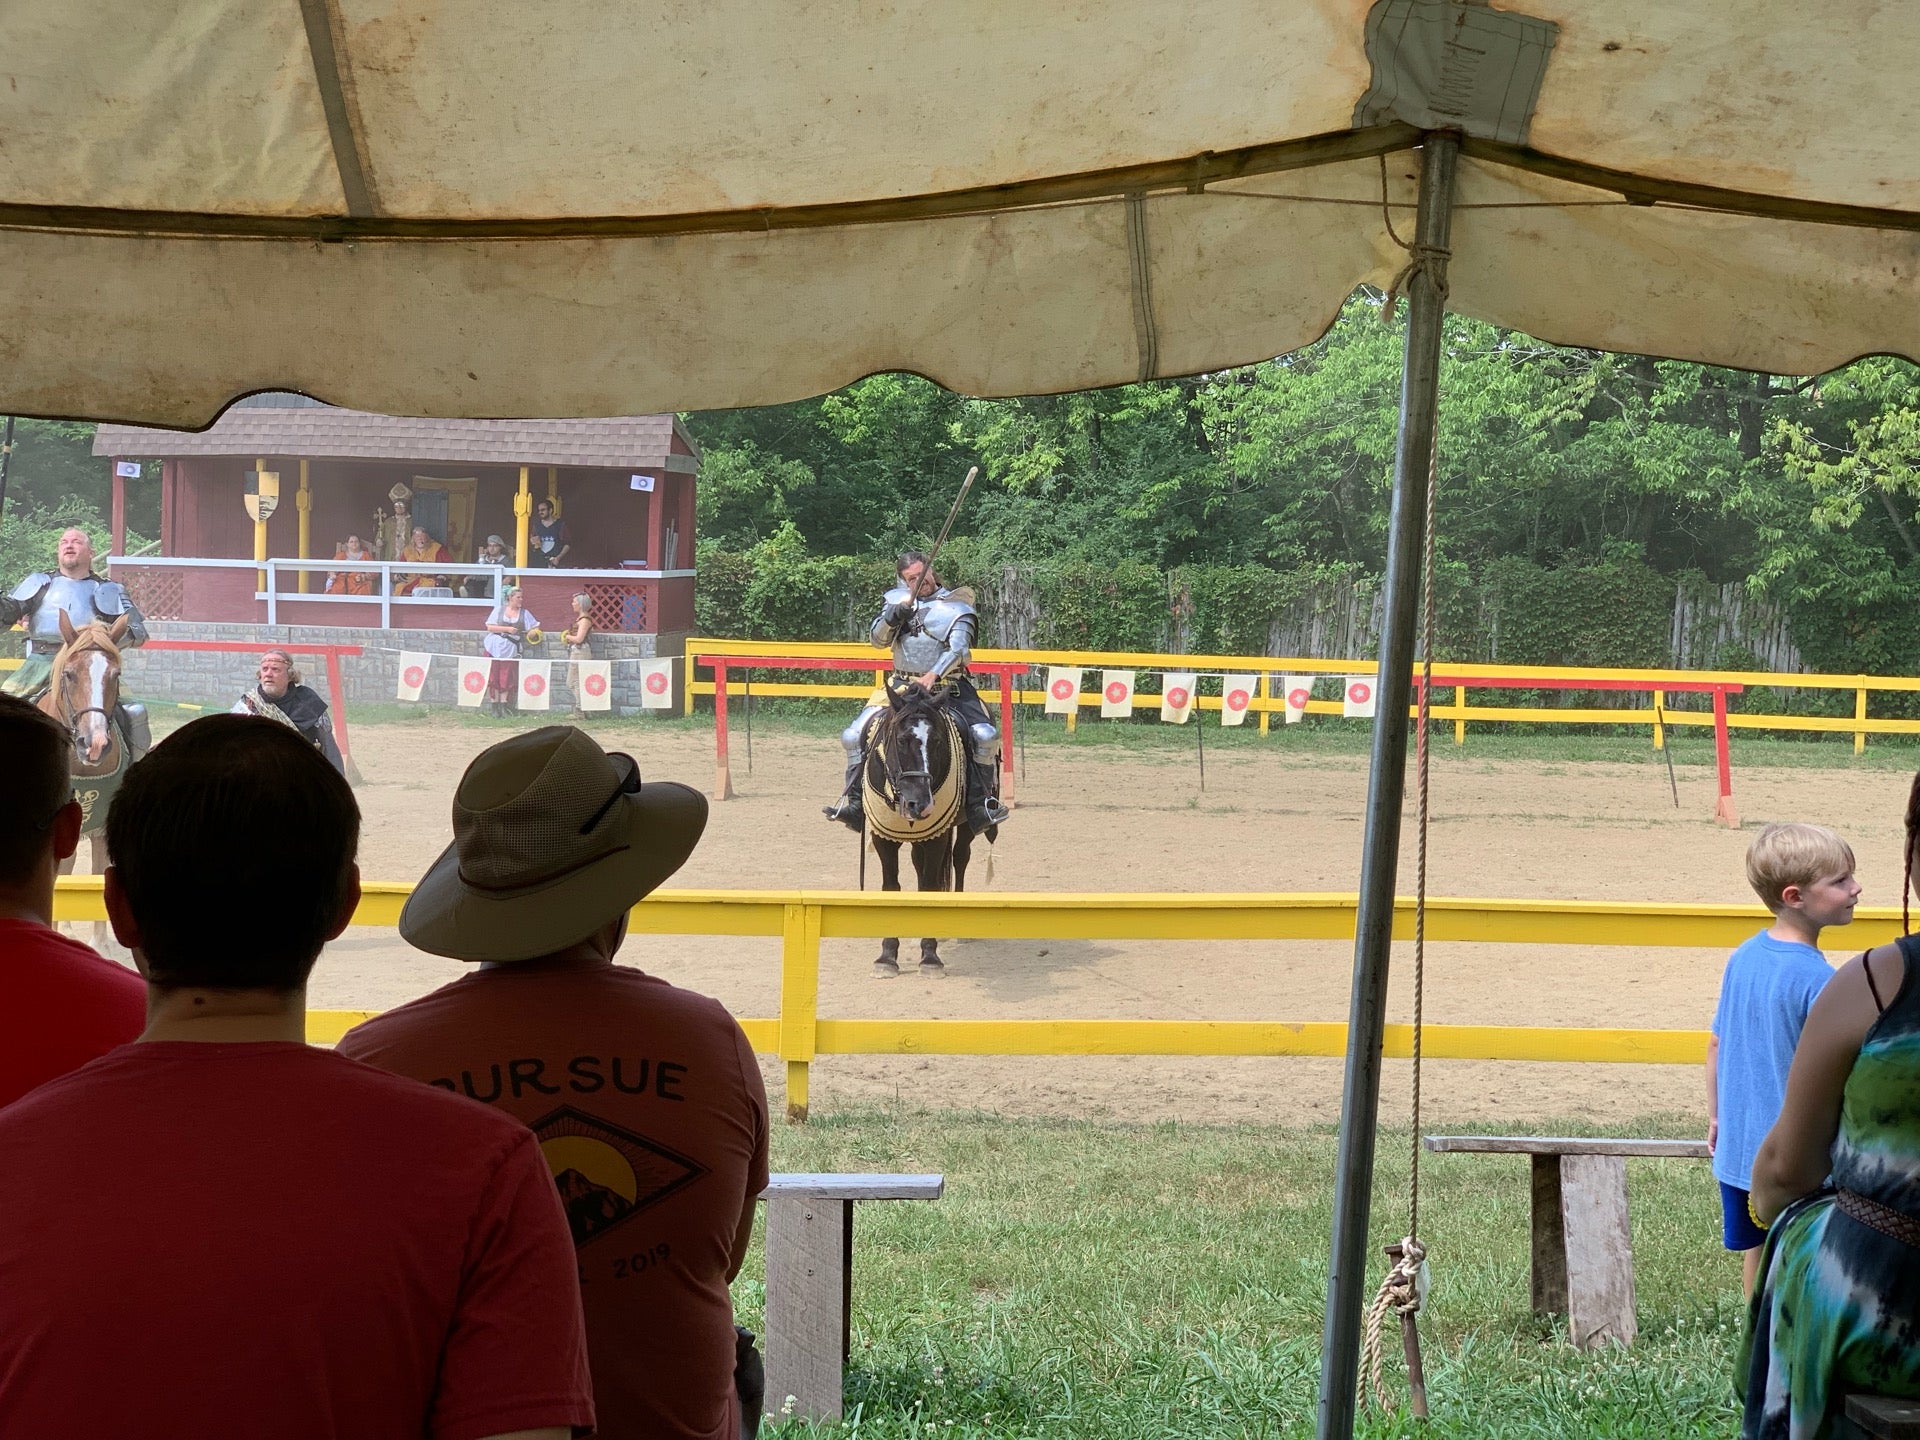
[552, 838]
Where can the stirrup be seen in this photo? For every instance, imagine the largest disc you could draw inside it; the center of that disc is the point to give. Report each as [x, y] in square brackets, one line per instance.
[848, 811]
[996, 813]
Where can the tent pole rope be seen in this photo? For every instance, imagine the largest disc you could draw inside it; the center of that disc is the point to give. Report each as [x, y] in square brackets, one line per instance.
[1403, 1291]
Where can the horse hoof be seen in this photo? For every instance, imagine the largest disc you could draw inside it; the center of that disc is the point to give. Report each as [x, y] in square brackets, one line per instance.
[885, 969]
[933, 969]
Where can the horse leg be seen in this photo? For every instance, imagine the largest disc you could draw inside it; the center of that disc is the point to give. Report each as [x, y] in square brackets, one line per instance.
[932, 864]
[887, 966]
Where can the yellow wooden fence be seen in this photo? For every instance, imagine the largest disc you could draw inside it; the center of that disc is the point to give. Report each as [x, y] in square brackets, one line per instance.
[1458, 679]
[803, 918]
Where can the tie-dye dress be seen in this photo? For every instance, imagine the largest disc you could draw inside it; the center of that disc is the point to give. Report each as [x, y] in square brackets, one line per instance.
[1838, 1308]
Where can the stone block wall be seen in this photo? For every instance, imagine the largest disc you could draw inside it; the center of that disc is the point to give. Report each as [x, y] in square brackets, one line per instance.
[217, 678]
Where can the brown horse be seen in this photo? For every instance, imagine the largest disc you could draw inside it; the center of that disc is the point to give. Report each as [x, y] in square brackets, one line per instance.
[83, 694]
[916, 780]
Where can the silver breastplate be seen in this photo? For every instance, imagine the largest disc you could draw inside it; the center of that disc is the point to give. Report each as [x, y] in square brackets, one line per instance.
[919, 649]
[75, 597]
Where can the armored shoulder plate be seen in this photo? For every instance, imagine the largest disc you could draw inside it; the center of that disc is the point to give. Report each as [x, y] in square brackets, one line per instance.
[896, 596]
[110, 598]
[30, 587]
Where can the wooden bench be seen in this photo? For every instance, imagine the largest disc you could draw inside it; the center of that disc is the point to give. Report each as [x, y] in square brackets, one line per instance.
[810, 1280]
[1878, 1417]
[1582, 1245]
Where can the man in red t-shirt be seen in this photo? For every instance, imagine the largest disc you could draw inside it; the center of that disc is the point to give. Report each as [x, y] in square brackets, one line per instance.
[219, 1232]
[646, 1098]
[60, 1004]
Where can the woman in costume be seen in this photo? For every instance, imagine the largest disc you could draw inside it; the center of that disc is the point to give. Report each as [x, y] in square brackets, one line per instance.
[579, 648]
[350, 582]
[510, 627]
[1837, 1183]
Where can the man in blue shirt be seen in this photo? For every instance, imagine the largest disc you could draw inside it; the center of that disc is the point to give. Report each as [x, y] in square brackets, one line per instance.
[1804, 873]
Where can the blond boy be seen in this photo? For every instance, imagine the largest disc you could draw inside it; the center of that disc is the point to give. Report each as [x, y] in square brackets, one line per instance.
[1804, 874]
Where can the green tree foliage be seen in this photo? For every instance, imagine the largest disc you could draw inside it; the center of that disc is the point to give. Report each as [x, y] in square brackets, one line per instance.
[1577, 490]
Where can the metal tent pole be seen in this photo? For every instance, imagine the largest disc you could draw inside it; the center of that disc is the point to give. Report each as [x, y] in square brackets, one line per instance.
[1373, 934]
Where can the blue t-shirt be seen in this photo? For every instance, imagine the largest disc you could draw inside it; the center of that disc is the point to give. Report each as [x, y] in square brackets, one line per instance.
[1765, 994]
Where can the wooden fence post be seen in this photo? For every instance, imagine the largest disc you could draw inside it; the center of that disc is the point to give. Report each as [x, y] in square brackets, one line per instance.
[1659, 730]
[723, 771]
[799, 1001]
[1859, 714]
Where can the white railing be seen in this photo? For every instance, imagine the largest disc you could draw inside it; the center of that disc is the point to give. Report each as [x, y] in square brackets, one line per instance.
[274, 565]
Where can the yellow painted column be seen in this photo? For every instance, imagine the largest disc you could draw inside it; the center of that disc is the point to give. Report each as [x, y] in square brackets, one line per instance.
[1860, 713]
[799, 1001]
[522, 511]
[553, 489]
[1659, 730]
[1262, 690]
[303, 502]
[260, 538]
[1460, 720]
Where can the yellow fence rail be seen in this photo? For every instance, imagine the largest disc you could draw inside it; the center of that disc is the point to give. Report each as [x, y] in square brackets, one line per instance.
[803, 918]
[1456, 679]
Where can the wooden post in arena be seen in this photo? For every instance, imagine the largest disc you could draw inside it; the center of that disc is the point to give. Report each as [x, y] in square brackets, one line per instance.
[303, 502]
[1425, 283]
[1724, 810]
[553, 489]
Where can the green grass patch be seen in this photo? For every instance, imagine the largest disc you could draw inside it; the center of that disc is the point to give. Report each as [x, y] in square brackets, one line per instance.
[1169, 1281]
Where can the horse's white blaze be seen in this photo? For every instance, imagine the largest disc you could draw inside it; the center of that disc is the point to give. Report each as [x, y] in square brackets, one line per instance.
[93, 723]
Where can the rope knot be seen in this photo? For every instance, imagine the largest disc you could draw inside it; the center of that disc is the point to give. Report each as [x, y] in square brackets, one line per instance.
[1403, 1292]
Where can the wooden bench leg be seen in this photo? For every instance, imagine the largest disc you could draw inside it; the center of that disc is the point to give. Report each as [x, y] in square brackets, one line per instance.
[809, 1304]
[1549, 1239]
[1599, 1250]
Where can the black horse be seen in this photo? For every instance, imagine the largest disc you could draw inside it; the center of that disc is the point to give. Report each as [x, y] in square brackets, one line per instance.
[916, 781]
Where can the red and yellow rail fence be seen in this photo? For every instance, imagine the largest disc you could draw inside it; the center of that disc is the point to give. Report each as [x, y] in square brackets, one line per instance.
[799, 1034]
[1000, 673]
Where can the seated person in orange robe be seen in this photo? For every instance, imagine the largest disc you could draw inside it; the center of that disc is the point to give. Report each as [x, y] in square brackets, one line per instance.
[356, 582]
[424, 549]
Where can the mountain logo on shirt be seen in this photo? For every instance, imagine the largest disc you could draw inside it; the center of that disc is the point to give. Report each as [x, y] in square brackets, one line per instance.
[605, 1174]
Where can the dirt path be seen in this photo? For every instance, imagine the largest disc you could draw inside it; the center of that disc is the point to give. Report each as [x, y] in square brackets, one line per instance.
[1106, 820]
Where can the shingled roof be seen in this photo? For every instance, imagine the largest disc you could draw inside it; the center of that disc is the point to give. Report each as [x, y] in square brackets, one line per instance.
[293, 425]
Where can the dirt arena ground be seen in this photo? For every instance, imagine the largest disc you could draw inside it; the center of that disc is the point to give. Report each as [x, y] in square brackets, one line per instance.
[1105, 818]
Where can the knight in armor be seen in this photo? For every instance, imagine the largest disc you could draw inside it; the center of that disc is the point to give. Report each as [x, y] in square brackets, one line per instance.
[930, 630]
[281, 696]
[83, 597]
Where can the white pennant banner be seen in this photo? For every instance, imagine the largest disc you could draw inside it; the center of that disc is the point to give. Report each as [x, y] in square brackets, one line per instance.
[1358, 703]
[534, 684]
[1063, 690]
[413, 674]
[1236, 698]
[1116, 694]
[1298, 689]
[656, 684]
[1176, 698]
[473, 682]
[593, 684]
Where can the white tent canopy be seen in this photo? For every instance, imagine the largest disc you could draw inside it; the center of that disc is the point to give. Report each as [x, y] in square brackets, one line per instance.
[491, 208]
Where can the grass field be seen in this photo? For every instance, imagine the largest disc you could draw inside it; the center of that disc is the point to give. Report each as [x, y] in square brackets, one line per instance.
[1169, 1281]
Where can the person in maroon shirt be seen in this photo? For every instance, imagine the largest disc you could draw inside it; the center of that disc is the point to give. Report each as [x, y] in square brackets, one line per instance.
[218, 1232]
[61, 1005]
[646, 1098]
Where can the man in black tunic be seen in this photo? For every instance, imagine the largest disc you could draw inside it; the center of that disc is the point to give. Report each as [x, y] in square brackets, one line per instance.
[280, 696]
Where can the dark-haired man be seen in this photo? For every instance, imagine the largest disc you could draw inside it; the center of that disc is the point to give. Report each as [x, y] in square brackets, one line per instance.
[930, 630]
[552, 540]
[220, 1232]
[61, 1005]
